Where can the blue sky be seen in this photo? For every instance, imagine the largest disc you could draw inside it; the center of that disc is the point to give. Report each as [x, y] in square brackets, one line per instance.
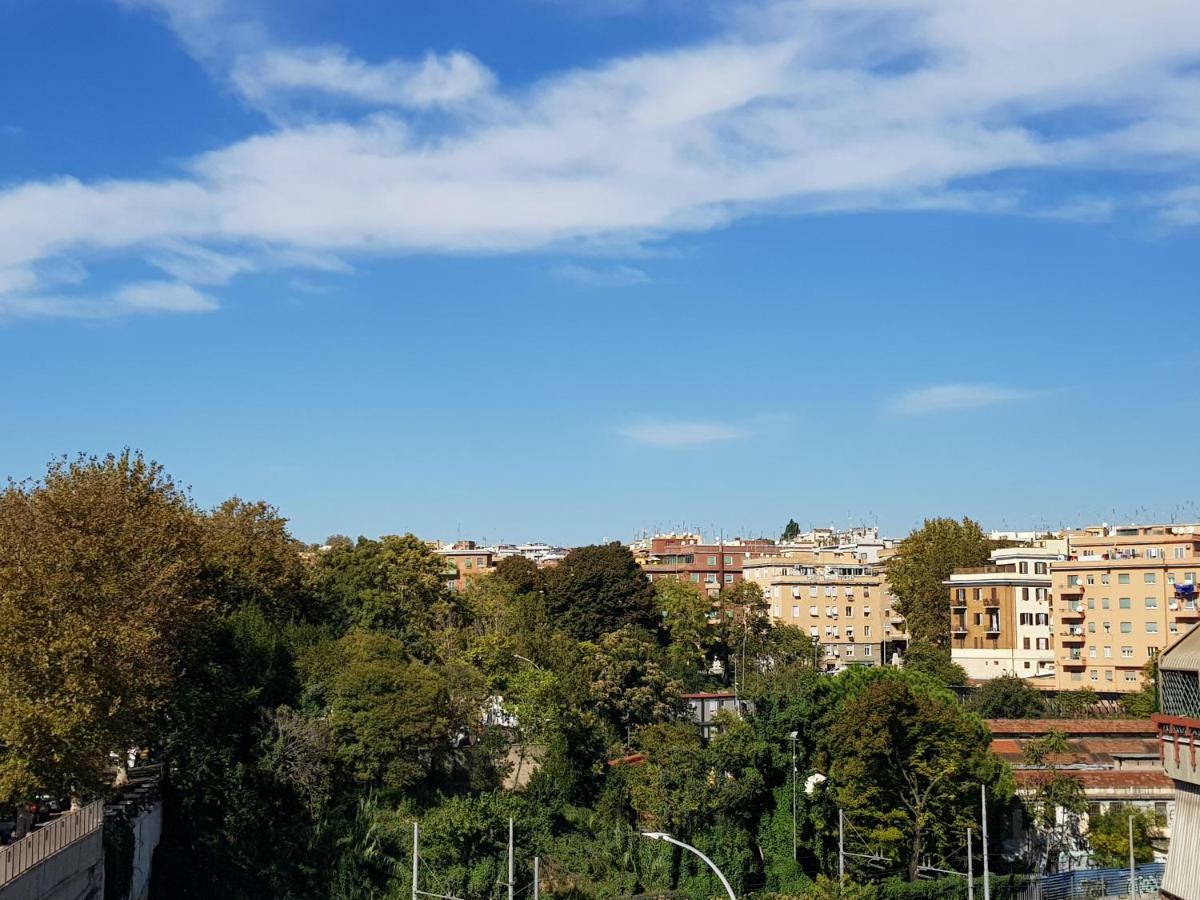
[565, 270]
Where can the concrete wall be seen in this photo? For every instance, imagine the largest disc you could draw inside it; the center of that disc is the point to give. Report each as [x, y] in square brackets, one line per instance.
[147, 829]
[74, 873]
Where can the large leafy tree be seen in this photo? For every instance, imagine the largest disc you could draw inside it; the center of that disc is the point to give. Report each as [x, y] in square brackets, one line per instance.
[629, 685]
[934, 662]
[395, 584]
[100, 599]
[901, 753]
[250, 557]
[1008, 697]
[922, 562]
[791, 531]
[597, 589]
[1054, 798]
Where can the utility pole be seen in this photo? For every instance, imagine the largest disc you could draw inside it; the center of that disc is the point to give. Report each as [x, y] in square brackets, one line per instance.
[987, 887]
[511, 876]
[1132, 866]
[793, 737]
[537, 878]
[841, 849]
[970, 869]
[416, 832]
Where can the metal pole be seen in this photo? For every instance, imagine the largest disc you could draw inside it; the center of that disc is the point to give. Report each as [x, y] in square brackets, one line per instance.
[511, 878]
[1132, 866]
[987, 887]
[537, 878]
[841, 849]
[795, 855]
[970, 869]
[416, 833]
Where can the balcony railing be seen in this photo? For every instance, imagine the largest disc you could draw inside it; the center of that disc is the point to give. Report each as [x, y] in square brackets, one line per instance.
[1071, 611]
[33, 848]
[1071, 635]
[1178, 739]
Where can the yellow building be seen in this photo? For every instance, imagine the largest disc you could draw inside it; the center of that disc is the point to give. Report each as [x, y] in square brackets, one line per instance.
[1115, 604]
[837, 599]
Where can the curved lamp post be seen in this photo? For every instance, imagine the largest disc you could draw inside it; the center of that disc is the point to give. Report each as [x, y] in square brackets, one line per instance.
[663, 836]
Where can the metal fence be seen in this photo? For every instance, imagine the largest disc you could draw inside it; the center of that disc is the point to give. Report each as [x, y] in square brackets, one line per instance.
[30, 850]
[1095, 884]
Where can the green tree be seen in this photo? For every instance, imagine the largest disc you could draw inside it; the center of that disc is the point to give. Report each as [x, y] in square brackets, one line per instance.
[1143, 703]
[521, 573]
[388, 713]
[394, 584]
[1008, 697]
[100, 607]
[1054, 798]
[1076, 704]
[629, 686]
[598, 589]
[685, 615]
[923, 561]
[900, 754]
[934, 662]
[1108, 835]
[250, 557]
[791, 531]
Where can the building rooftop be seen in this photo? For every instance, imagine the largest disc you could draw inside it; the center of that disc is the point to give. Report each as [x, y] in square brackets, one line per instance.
[1078, 727]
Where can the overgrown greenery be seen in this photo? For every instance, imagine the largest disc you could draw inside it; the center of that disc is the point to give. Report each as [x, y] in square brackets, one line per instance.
[307, 714]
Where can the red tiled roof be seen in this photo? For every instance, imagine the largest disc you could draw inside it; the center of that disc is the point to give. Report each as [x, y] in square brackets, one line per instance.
[1072, 726]
[633, 759]
[1148, 779]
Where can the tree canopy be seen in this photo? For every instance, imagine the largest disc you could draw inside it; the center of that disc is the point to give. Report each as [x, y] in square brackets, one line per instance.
[1008, 697]
[922, 562]
[598, 589]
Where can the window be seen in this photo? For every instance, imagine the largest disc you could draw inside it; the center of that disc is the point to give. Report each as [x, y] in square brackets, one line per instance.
[1091, 579]
[712, 560]
[1131, 676]
[710, 578]
[850, 650]
[866, 631]
[1041, 619]
[978, 594]
[1173, 628]
[1077, 676]
[1150, 578]
[1023, 568]
[1108, 675]
[849, 612]
[795, 612]
[812, 591]
[1094, 674]
[1127, 653]
[1151, 628]
[729, 578]
[1151, 652]
[1092, 652]
[1151, 603]
[1180, 552]
[814, 631]
[1025, 594]
[1026, 645]
[867, 650]
[1043, 643]
[960, 594]
[729, 560]
[1108, 652]
[978, 618]
[1123, 579]
[470, 563]
[1126, 628]
[1039, 569]
[1092, 627]
[812, 611]
[866, 612]
[1072, 581]
[1125, 603]
[1091, 603]
[696, 578]
[1104, 602]
[1026, 618]
[1104, 578]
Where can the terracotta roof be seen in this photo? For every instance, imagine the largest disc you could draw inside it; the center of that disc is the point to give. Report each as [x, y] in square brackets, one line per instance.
[1082, 751]
[1148, 779]
[1072, 726]
[633, 759]
[1005, 746]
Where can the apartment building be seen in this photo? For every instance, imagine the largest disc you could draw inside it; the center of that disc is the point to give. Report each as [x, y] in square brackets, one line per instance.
[839, 601]
[1119, 599]
[1000, 615]
[687, 558]
[464, 560]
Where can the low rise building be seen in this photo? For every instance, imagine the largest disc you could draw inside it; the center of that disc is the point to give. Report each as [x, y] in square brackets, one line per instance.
[688, 558]
[1119, 599]
[464, 561]
[1000, 615]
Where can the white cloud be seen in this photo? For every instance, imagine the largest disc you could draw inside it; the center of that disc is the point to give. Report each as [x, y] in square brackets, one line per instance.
[164, 296]
[601, 276]
[945, 398]
[681, 433]
[434, 81]
[797, 108]
[139, 297]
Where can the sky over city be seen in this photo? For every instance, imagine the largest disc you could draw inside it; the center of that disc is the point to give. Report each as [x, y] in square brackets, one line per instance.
[572, 269]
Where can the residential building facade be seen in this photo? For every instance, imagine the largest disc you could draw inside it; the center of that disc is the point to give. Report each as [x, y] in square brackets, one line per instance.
[709, 566]
[840, 602]
[1000, 615]
[464, 561]
[1116, 604]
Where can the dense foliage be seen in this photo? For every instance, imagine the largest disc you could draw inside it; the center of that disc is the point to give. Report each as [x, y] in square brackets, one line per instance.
[307, 713]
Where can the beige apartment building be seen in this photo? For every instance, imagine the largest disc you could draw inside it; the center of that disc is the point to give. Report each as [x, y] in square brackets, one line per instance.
[1116, 605]
[1000, 615]
[836, 599]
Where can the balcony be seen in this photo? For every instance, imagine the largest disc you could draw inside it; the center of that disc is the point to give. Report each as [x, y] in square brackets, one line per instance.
[1071, 612]
[993, 627]
[1071, 635]
[959, 628]
[1179, 738]
[1074, 660]
[1187, 611]
[1006, 569]
[1071, 589]
[992, 602]
[958, 604]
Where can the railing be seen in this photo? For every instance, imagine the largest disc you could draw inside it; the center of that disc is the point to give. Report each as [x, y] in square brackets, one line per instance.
[45, 842]
[1183, 734]
[1009, 568]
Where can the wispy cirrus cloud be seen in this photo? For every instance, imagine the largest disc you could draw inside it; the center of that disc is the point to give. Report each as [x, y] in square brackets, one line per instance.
[674, 433]
[786, 108]
[601, 276]
[948, 398]
[130, 299]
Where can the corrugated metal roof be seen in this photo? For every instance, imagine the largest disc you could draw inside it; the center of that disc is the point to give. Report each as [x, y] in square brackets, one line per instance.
[1113, 779]
[1183, 655]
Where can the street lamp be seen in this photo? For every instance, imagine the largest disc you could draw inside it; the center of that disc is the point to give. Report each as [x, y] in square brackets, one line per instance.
[663, 836]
